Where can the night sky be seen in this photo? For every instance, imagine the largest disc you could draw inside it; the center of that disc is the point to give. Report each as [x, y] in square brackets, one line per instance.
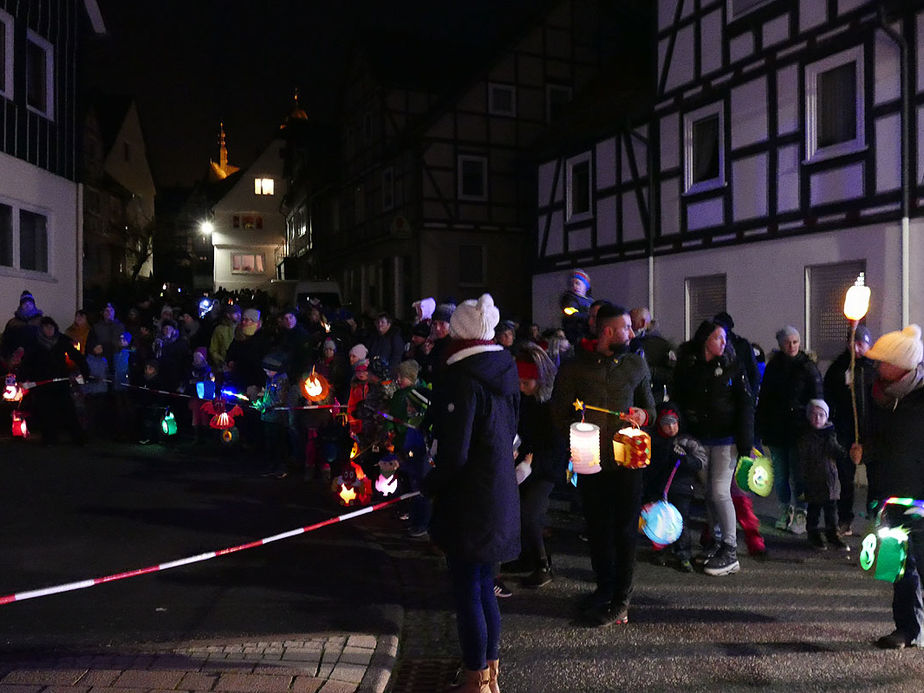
[192, 63]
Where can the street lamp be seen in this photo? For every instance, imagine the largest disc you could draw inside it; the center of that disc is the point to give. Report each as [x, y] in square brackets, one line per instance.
[856, 304]
[206, 227]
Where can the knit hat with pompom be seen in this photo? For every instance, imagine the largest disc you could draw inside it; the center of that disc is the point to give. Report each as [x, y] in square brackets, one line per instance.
[901, 349]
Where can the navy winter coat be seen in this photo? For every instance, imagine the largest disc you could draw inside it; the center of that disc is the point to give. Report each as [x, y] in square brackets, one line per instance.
[789, 383]
[476, 506]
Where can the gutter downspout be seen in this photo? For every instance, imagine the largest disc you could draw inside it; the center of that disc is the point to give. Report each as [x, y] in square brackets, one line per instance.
[904, 77]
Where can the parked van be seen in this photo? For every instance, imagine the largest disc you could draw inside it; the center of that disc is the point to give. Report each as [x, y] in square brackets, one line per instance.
[293, 292]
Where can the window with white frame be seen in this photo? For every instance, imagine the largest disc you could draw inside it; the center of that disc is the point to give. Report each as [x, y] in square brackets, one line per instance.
[264, 186]
[473, 177]
[471, 265]
[556, 97]
[704, 148]
[737, 8]
[705, 297]
[826, 287]
[502, 99]
[578, 181]
[247, 263]
[39, 75]
[388, 188]
[6, 55]
[834, 105]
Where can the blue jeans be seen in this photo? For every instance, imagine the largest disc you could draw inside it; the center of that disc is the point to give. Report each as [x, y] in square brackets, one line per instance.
[787, 477]
[477, 614]
[907, 604]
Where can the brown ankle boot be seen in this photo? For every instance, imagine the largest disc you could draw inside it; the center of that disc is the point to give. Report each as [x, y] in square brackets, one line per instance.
[474, 682]
[492, 676]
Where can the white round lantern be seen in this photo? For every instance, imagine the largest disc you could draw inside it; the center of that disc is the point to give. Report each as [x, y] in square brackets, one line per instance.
[585, 447]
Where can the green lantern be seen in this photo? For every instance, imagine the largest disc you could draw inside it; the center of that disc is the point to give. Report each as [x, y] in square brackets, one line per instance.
[168, 424]
[755, 474]
[893, 550]
[868, 551]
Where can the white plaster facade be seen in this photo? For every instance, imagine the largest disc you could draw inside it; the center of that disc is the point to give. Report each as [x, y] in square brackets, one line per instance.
[248, 225]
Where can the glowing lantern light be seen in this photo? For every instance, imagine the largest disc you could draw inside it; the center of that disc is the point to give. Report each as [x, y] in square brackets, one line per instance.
[632, 448]
[347, 495]
[353, 487]
[884, 552]
[755, 474]
[229, 436]
[315, 387]
[661, 522]
[20, 429]
[221, 419]
[168, 424]
[856, 302]
[585, 448]
[205, 389]
[12, 392]
[386, 485]
[569, 310]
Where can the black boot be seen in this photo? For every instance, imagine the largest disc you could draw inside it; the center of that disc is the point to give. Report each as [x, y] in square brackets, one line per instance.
[542, 575]
[834, 539]
[816, 540]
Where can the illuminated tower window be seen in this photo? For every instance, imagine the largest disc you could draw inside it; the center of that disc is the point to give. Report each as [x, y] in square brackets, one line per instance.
[263, 186]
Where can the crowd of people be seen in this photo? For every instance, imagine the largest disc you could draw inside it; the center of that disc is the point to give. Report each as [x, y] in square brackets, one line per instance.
[478, 412]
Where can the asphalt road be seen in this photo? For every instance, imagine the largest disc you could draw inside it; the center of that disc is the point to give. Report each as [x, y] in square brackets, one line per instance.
[69, 514]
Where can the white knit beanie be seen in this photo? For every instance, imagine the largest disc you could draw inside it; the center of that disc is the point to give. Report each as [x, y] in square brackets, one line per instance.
[475, 319]
[426, 306]
[817, 404]
[901, 349]
[359, 351]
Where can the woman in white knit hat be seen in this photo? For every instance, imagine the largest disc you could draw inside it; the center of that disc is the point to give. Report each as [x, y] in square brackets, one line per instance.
[894, 456]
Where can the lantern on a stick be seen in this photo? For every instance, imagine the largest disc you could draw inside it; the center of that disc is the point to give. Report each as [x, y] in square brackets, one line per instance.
[632, 448]
[856, 305]
[661, 522]
[315, 387]
[755, 474]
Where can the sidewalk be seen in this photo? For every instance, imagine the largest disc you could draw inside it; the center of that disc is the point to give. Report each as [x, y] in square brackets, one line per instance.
[317, 663]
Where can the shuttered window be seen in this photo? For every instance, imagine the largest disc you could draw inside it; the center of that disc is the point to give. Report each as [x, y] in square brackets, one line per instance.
[705, 297]
[826, 286]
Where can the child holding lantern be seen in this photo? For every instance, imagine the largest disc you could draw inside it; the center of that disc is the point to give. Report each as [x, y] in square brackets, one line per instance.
[671, 449]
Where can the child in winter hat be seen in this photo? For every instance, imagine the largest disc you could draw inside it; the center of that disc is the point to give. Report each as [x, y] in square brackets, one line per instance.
[900, 349]
[475, 319]
[358, 353]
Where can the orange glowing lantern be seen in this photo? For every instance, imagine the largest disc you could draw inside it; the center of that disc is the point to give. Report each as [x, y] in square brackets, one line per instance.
[315, 387]
[632, 448]
[229, 436]
[221, 419]
[347, 495]
[20, 430]
[353, 487]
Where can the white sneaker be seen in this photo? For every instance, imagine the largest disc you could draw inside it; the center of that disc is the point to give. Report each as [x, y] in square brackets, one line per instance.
[798, 522]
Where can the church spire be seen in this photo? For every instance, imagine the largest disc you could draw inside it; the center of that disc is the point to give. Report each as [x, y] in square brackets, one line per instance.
[222, 169]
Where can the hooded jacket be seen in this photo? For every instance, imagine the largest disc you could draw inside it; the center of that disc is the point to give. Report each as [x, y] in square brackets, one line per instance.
[789, 383]
[476, 507]
[819, 453]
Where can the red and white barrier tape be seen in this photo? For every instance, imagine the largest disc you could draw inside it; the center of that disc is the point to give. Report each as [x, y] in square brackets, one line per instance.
[71, 586]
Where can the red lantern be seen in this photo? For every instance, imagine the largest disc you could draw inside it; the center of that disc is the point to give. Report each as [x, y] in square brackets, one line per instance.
[632, 448]
[221, 419]
[315, 387]
[353, 487]
[20, 430]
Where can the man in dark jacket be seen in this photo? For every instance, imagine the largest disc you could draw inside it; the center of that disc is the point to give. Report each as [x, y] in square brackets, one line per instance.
[894, 458]
[839, 399]
[476, 510]
[658, 352]
[605, 374]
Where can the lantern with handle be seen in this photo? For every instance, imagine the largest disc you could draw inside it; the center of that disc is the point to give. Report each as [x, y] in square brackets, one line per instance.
[168, 424]
[585, 448]
[755, 473]
[884, 550]
[12, 392]
[632, 448]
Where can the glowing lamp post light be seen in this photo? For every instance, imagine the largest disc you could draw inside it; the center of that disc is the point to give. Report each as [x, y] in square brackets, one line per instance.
[585, 448]
[856, 305]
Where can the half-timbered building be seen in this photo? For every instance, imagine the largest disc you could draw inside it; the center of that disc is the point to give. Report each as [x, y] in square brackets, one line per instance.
[782, 159]
[432, 195]
[40, 220]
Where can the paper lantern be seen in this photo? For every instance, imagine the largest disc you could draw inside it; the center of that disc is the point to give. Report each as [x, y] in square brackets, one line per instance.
[229, 436]
[755, 474]
[168, 424]
[884, 552]
[585, 448]
[632, 448]
[352, 487]
[661, 522]
[205, 389]
[386, 485]
[12, 392]
[315, 387]
[20, 429]
[856, 302]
